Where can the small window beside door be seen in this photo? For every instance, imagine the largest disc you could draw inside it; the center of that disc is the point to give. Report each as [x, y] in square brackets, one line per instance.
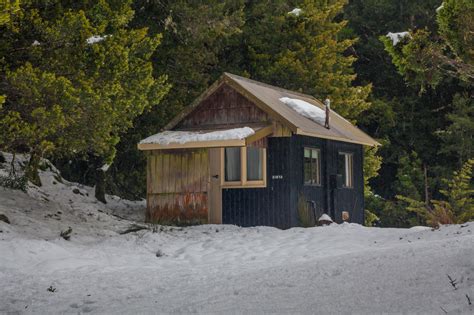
[233, 164]
[345, 167]
[244, 167]
[312, 166]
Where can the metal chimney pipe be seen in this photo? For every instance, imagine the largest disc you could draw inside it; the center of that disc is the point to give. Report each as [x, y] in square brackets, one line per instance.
[327, 105]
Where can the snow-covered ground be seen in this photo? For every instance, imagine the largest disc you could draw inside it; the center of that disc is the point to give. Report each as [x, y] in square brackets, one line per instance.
[217, 269]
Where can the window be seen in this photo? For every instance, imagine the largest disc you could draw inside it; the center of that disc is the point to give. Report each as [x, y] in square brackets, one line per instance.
[254, 164]
[232, 164]
[312, 166]
[345, 166]
[244, 167]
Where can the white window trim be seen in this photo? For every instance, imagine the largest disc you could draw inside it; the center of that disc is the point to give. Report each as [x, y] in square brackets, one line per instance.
[244, 183]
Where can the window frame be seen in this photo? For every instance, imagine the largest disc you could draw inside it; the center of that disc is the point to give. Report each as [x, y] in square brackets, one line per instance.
[349, 176]
[244, 183]
[319, 174]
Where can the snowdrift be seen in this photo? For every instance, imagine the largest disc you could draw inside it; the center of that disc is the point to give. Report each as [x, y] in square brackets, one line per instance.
[217, 268]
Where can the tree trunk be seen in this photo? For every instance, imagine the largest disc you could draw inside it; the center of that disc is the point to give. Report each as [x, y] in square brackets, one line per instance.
[427, 197]
[31, 172]
[100, 185]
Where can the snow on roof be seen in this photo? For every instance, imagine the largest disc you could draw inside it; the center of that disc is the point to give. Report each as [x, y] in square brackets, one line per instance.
[396, 37]
[95, 39]
[325, 217]
[306, 109]
[295, 12]
[167, 137]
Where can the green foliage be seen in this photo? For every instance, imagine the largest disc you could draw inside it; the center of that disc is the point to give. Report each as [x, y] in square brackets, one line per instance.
[76, 76]
[456, 27]
[370, 218]
[458, 139]
[7, 9]
[409, 176]
[390, 213]
[372, 163]
[458, 206]
[305, 52]
[191, 53]
[426, 58]
[460, 193]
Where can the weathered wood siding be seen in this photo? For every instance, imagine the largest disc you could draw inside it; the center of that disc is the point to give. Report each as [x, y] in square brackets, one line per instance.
[224, 107]
[177, 183]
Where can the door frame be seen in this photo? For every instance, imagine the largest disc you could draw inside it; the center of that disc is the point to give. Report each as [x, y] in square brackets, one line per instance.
[214, 198]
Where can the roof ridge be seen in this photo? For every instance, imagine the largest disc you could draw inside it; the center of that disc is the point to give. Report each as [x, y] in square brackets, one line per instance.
[273, 87]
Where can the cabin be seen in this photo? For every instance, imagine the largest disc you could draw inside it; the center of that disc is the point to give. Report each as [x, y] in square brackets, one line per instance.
[250, 154]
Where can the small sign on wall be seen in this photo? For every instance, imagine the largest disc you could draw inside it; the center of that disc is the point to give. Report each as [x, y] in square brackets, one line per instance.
[345, 216]
[277, 176]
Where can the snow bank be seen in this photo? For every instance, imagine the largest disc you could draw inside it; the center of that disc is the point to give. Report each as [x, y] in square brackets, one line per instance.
[397, 37]
[325, 217]
[336, 269]
[305, 109]
[181, 137]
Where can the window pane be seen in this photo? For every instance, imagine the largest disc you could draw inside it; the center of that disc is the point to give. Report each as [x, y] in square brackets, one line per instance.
[254, 163]
[232, 164]
[349, 169]
[315, 171]
[341, 166]
[307, 166]
[345, 168]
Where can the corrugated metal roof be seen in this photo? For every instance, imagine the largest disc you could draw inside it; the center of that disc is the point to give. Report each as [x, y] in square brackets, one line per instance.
[340, 128]
[267, 97]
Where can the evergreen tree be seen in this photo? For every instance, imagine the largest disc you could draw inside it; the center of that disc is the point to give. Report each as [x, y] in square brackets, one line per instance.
[303, 49]
[77, 76]
[194, 36]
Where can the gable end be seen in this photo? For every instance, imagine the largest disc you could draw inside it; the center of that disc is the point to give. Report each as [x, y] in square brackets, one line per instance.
[223, 108]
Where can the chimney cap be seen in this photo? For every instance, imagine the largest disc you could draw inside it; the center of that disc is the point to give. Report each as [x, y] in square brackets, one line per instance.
[327, 102]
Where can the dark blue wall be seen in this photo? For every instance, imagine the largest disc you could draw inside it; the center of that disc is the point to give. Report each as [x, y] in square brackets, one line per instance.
[276, 205]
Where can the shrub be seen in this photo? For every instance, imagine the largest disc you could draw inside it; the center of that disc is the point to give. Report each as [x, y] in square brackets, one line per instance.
[13, 181]
[458, 206]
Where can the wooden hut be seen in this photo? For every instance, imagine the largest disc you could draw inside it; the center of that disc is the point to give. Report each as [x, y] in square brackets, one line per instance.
[248, 153]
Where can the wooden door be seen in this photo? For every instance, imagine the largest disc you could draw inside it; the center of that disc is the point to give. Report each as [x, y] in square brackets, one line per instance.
[215, 190]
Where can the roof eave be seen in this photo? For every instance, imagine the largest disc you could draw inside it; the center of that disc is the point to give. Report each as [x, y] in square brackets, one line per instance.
[372, 143]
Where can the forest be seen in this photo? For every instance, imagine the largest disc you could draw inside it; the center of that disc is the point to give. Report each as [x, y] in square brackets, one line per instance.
[81, 82]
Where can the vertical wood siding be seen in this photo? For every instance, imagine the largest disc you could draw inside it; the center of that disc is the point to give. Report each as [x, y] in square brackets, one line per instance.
[263, 206]
[177, 186]
[326, 199]
[224, 107]
[277, 204]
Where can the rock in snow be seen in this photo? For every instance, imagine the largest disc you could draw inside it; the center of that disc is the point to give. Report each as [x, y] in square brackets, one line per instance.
[345, 268]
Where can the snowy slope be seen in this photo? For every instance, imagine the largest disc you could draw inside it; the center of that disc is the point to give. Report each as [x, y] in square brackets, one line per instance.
[218, 269]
